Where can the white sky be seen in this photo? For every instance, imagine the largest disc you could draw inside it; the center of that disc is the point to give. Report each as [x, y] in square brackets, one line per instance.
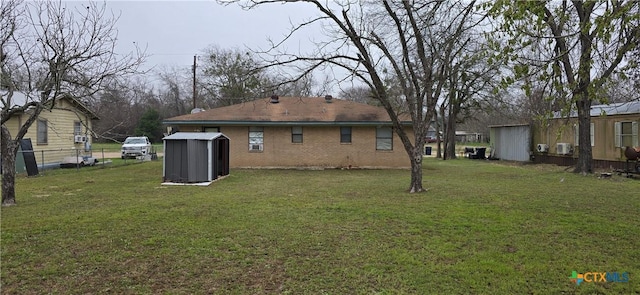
[175, 31]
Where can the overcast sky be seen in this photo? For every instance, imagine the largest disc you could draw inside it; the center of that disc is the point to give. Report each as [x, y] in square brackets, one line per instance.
[174, 31]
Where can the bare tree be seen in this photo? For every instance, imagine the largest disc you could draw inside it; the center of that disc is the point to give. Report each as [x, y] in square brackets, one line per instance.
[176, 92]
[379, 41]
[358, 94]
[132, 97]
[51, 49]
[470, 78]
[582, 45]
[231, 76]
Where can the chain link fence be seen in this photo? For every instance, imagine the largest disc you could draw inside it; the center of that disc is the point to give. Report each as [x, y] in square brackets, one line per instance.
[33, 162]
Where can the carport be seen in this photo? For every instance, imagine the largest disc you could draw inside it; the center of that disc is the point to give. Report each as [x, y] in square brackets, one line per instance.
[195, 157]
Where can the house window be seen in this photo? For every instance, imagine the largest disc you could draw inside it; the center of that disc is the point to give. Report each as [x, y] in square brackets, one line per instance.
[384, 139]
[296, 134]
[256, 139]
[77, 128]
[592, 128]
[42, 132]
[626, 134]
[345, 134]
[211, 129]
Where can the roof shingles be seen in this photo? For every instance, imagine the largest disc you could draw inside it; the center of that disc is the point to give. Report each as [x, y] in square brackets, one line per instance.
[290, 109]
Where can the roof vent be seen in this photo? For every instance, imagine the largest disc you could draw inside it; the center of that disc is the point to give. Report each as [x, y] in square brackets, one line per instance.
[328, 98]
[196, 110]
[274, 99]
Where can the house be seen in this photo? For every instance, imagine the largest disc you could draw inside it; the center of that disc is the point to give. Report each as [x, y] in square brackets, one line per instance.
[466, 136]
[61, 131]
[303, 132]
[613, 127]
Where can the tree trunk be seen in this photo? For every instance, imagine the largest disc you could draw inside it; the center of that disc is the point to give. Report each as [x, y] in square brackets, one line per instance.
[438, 139]
[450, 152]
[8, 149]
[585, 156]
[416, 169]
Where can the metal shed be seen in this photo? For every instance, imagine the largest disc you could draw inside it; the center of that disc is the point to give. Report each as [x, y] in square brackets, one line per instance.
[511, 142]
[193, 157]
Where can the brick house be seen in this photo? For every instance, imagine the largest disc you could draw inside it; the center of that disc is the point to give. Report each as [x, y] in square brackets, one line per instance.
[309, 132]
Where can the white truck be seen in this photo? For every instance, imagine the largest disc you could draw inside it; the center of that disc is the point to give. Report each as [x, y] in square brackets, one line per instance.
[134, 147]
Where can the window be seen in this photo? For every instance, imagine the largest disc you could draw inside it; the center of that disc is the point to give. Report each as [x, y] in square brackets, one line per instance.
[345, 134]
[626, 134]
[591, 132]
[77, 128]
[42, 132]
[256, 139]
[211, 129]
[384, 139]
[296, 134]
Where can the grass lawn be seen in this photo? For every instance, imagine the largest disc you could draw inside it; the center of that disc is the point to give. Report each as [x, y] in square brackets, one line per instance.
[482, 228]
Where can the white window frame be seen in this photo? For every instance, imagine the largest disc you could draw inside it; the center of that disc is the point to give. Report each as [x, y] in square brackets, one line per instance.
[384, 142]
[592, 129]
[618, 133]
[77, 128]
[43, 131]
[256, 138]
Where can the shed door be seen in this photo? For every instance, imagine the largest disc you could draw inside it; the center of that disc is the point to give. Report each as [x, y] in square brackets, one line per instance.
[176, 161]
[198, 160]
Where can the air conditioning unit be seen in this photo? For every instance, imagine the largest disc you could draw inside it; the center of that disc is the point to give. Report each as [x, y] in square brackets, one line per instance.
[542, 148]
[79, 139]
[564, 148]
[255, 147]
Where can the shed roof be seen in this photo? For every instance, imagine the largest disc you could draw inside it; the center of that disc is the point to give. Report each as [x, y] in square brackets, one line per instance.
[194, 135]
[298, 110]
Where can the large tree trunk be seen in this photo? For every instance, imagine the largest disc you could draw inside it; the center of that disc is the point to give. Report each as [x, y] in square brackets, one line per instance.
[450, 152]
[8, 149]
[438, 138]
[585, 156]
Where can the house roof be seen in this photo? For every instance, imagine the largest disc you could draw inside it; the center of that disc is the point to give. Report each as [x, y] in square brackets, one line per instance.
[290, 110]
[621, 108]
[632, 107]
[21, 98]
[194, 135]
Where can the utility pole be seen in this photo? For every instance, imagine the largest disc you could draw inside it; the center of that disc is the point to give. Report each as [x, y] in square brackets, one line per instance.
[194, 81]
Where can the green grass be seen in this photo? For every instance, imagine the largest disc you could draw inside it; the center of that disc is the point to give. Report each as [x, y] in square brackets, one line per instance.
[481, 228]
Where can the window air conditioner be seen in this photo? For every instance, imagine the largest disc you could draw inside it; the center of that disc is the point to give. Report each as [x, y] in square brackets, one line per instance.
[564, 148]
[255, 147]
[79, 139]
[542, 148]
